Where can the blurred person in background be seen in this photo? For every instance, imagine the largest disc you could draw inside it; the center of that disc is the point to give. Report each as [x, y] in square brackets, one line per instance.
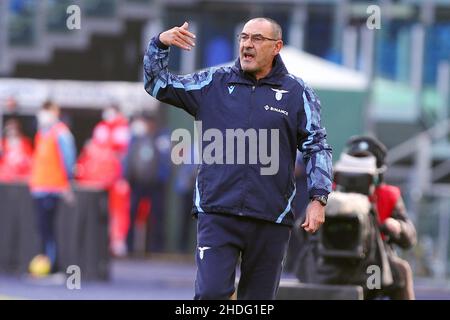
[395, 225]
[112, 136]
[156, 241]
[113, 130]
[141, 170]
[97, 166]
[11, 105]
[52, 168]
[16, 153]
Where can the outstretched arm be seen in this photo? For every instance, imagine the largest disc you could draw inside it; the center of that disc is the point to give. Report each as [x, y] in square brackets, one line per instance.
[181, 91]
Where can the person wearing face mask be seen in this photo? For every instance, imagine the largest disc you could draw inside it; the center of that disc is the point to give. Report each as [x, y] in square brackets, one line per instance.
[141, 166]
[112, 135]
[16, 153]
[113, 130]
[51, 172]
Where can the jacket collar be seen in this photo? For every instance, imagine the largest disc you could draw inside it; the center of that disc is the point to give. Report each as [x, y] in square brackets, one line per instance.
[273, 78]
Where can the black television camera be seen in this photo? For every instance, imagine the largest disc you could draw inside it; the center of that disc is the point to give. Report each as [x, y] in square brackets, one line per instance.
[347, 228]
[349, 240]
[348, 223]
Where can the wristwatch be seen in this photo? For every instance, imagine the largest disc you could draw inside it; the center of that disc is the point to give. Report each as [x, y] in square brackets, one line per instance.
[322, 199]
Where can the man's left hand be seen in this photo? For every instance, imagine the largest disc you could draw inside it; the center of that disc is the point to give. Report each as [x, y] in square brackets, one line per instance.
[315, 216]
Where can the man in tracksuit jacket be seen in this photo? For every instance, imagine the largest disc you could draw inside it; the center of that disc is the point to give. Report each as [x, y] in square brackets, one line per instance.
[242, 213]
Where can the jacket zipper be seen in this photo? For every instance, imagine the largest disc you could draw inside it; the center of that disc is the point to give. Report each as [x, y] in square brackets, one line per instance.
[245, 181]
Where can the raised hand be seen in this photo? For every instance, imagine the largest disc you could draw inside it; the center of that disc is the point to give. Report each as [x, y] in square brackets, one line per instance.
[179, 37]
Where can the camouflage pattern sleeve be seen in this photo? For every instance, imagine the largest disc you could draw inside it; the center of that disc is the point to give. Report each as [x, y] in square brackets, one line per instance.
[317, 154]
[184, 92]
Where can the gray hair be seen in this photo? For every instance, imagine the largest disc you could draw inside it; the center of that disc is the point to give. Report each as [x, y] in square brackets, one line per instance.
[276, 28]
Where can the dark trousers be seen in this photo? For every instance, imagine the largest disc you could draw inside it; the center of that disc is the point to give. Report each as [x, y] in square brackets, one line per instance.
[155, 225]
[45, 209]
[222, 240]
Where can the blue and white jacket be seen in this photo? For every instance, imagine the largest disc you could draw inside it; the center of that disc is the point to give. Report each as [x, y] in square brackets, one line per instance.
[228, 98]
